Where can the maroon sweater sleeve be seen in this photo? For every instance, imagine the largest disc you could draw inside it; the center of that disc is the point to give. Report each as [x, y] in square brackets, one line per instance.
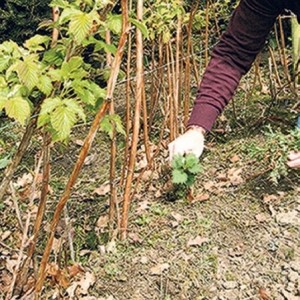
[232, 58]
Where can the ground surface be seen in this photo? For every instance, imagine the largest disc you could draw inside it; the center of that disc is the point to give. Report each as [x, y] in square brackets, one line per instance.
[238, 239]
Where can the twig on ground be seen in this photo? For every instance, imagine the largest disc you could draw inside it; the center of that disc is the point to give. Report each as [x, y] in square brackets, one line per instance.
[17, 276]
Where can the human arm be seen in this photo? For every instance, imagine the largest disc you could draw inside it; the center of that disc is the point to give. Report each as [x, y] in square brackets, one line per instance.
[231, 58]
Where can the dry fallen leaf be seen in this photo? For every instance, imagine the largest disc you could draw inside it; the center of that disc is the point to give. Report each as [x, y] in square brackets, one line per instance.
[186, 257]
[11, 264]
[5, 235]
[79, 142]
[198, 241]
[201, 198]
[142, 163]
[270, 198]
[5, 281]
[144, 260]
[102, 190]
[74, 270]
[90, 159]
[24, 180]
[235, 158]
[209, 185]
[261, 217]
[177, 217]
[59, 276]
[144, 205]
[86, 282]
[102, 222]
[234, 176]
[263, 294]
[134, 238]
[111, 247]
[147, 175]
[159, 269]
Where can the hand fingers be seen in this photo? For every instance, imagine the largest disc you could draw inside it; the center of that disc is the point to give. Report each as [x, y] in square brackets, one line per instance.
[294, 155]
[295, 163]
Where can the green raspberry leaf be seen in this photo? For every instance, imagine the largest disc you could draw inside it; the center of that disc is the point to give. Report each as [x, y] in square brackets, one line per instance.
[18, 108]
[179, 177]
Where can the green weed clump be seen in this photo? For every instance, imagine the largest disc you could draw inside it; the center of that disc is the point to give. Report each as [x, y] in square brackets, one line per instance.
[274, 151]
[185, 169]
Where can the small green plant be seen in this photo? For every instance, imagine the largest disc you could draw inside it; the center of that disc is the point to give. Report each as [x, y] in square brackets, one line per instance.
[185, 169]
[274, 151]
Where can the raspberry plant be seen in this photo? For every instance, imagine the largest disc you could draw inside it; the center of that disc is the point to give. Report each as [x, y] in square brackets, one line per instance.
[185, 169]
[274, 151]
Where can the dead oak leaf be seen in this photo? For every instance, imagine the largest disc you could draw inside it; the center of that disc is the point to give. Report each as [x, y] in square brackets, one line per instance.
[197, 241]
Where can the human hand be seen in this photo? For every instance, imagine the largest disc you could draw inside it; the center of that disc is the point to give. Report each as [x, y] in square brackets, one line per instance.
[294, 160]
[190, 142]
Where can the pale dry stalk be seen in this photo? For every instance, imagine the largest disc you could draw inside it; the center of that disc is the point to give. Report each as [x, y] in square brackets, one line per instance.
[85, 148]
[136, 124]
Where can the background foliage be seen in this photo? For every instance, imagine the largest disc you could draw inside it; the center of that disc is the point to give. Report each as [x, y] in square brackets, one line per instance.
[19, 19]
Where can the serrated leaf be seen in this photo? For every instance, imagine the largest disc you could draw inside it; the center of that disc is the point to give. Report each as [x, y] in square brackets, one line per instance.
[178, 162]
[4, 62]
[84, 94]
[114, 23]
[3, 83]
[73, 68]
[2, 102]
[109, 122]
[118, 124]
[18, 108]
[108, 48]
[62, 120]
[35, 43]
[59, 3]
[55, 74]
[50, 104]
[45, 85]
[179, 177]
[73, 104]
[81, 25]
[28, 71]
[67, 14]
[4, 162]
[53, 57]
[195, 169]
[106, 126]
[97, 90]
[141, 26]
[43, 120]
